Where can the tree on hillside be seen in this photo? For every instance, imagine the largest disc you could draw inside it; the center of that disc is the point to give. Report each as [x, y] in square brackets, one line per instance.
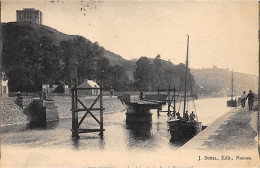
[28, 61]
[116, 77]
[142, 74]
[157, 73]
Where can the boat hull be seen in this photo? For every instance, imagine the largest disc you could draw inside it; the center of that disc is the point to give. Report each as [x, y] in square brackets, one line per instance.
[180, 129]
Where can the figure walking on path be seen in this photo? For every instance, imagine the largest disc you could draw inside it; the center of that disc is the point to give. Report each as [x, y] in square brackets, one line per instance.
[250, 97]
[243, 99]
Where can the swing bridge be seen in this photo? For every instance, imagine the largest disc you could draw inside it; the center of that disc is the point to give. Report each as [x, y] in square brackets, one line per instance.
[137, 109]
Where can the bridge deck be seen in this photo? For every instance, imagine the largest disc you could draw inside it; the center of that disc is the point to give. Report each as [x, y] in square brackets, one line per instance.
[149, 102]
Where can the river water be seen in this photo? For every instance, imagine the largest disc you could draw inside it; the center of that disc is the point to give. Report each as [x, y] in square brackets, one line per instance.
[117, 136]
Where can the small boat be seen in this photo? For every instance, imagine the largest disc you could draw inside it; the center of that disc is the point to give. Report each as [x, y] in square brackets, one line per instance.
[232, 102]
[180, 128]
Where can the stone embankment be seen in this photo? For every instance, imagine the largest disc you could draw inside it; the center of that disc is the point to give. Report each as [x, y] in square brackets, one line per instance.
[234, 130]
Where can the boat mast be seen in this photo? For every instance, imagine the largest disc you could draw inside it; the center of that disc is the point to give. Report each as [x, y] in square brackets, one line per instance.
[186, 72]
[232, 86]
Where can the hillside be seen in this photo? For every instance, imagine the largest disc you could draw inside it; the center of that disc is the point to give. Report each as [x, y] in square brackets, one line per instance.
[25, 45]
[114, 59]
[43, 30]
[217, 80]
[35, 54]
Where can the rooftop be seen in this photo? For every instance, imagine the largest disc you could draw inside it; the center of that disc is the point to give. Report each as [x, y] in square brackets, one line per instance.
[28, 9]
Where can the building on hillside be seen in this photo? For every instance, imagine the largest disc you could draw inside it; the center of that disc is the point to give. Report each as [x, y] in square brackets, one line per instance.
[64, 89]
[215, 67]
[3, 86]
[89, 84]
[29, 15]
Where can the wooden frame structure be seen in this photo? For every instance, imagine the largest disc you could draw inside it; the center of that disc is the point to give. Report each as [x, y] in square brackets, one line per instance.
[76, 130]
[170, 101]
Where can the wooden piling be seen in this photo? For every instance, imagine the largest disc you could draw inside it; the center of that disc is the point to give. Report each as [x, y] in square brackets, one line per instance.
[169, 100]
[101, 107]
[75, 109]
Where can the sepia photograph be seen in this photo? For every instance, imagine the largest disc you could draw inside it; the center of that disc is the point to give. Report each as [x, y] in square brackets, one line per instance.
[129, 84]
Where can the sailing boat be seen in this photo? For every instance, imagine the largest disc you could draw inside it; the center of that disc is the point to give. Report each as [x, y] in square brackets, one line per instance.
[179, 127]
[232, 102]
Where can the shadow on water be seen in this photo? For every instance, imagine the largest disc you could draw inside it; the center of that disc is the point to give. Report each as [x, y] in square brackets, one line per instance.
[181, 141]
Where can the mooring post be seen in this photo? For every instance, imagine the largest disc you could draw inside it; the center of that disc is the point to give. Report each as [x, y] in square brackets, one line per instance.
[101, 105]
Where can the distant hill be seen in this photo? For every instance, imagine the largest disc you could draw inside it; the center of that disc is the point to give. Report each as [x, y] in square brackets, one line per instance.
[217, 80]
[114, 59]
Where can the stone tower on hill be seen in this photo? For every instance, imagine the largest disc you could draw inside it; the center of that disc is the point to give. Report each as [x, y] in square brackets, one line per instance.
[29, 15]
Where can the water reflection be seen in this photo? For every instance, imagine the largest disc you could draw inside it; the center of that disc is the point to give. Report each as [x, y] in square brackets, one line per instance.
[30, 126]
[140, 136]
[44, 125]
[139, 130]
[119, 135]
[86, 141]
[75, 142]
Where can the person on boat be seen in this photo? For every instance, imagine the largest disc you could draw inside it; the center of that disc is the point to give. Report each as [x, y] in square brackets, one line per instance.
[141, 96]
[186, 116]
[178, 116]
[192, 117]
[243, 99]
[250, 97]
[44, 95]
[19, 94]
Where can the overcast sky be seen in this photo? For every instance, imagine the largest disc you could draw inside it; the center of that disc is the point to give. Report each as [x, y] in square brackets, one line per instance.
[221, 33]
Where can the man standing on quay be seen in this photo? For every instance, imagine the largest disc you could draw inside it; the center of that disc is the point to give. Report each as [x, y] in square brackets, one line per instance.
[243, 99]
[250, 97]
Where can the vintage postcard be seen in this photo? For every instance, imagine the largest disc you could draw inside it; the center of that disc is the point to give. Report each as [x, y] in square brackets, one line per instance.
[140, 83]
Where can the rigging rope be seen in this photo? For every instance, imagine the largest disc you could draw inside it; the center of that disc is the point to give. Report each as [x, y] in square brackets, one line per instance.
[180, 88]
[197, 119]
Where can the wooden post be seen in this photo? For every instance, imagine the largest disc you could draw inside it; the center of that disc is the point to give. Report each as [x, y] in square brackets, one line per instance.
[174, 110]
[76, 111]
[169, 98]
[73, 111]
[101, 106]
[158, 111]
